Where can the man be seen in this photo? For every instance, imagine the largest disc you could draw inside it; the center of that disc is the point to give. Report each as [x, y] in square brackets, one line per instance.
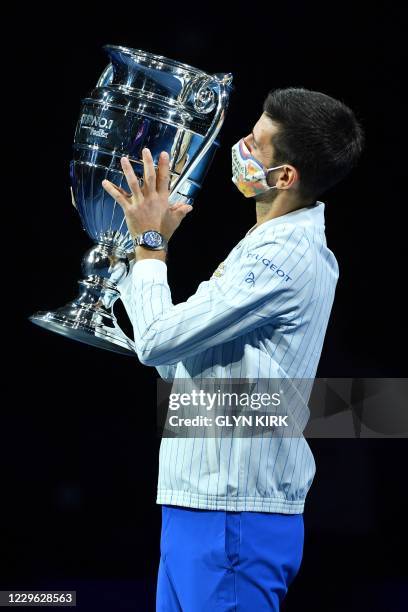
[232, 509]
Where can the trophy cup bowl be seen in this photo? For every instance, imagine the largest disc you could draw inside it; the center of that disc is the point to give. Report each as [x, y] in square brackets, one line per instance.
[140, 100]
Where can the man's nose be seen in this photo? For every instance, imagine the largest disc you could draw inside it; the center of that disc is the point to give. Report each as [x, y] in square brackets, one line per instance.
[246, 140]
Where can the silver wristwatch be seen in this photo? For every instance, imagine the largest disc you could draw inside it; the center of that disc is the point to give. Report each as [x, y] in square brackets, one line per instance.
[151, 239]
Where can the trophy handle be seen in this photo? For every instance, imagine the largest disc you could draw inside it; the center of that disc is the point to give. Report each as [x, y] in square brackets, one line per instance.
[204, 103]
[106, 76]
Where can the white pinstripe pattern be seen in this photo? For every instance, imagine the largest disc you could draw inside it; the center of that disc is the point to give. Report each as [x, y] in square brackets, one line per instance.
[251, 321]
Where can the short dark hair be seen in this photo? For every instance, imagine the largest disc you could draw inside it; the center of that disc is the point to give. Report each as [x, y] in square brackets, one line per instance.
[319, 135]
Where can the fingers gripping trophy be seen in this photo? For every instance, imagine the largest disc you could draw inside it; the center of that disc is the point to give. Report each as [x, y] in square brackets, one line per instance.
[141, 100]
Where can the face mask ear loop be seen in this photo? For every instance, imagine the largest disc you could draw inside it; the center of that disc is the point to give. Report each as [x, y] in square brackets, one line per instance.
[275, 168]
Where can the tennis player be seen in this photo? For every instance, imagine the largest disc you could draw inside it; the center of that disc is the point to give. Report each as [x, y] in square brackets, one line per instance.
[232, 507]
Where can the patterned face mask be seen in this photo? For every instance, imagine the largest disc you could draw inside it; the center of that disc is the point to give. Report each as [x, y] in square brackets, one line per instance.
[248, 173]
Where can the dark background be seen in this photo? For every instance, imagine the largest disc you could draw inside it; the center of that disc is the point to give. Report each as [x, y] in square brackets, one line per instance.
[79, 441]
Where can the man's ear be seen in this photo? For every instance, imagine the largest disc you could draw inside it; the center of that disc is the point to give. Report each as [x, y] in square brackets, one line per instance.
[295, 174]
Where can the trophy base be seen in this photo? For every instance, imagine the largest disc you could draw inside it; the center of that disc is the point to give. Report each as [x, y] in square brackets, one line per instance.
[90, 318]
[74, 326]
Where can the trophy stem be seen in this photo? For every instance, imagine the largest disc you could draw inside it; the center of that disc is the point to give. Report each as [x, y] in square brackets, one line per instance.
[90, 318]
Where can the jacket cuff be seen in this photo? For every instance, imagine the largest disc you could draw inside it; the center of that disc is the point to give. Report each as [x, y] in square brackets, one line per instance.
[150, 269]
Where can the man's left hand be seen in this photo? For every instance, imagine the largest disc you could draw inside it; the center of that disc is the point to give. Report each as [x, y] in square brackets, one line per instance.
[148, 207]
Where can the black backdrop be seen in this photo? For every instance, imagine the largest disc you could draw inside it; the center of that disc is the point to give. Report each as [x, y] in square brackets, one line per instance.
[79, 442]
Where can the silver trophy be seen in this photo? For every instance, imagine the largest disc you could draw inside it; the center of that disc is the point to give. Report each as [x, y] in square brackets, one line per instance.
[141, 100]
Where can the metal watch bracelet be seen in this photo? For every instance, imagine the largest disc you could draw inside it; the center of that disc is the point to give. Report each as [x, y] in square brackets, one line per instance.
[164, 246]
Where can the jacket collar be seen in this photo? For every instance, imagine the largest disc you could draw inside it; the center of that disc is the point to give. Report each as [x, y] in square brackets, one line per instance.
[306, 216]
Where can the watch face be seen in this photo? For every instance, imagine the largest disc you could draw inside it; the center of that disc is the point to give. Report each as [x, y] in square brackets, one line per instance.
[152, 238]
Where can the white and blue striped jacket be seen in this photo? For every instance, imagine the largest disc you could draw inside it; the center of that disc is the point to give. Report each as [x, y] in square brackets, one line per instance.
[262, 314]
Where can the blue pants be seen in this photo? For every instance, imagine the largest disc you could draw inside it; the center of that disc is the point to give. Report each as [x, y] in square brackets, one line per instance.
[217, 560]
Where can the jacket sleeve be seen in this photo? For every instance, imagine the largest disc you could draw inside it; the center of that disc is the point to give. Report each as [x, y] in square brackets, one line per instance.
[266, 284]
[166, 372]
